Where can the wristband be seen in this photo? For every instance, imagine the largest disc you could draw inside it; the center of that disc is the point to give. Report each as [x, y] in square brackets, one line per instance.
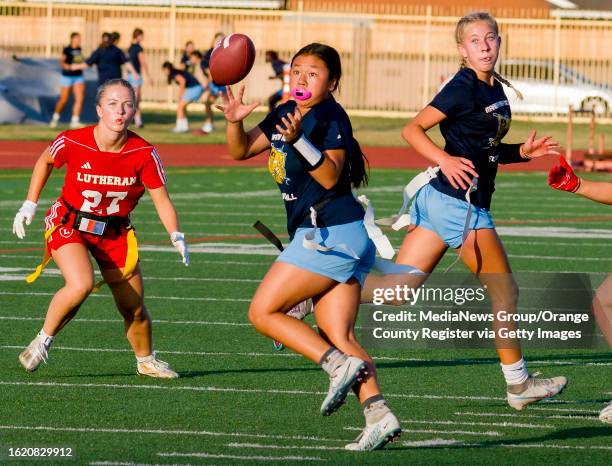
[312, 156]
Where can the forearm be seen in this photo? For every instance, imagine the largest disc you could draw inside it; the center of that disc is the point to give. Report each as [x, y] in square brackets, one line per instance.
[237, 140]
[511, 153]
[596, 191]
[416, 136]
[40, 175]
[165, 209]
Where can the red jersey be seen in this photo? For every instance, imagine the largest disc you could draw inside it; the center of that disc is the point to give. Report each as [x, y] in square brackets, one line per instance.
[106, 183]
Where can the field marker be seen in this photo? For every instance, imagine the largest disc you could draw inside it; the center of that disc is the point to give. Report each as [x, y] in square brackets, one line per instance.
[171, 298]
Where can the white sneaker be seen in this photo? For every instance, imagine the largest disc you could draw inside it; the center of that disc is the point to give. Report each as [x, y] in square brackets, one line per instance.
[76, 124]
[176, 129]
[53, 123]
[341, 381]
[534, 389]
[299, 312]
[34, 354]
[208, 127]
[606, 414]
[377, 435]
[156, 368]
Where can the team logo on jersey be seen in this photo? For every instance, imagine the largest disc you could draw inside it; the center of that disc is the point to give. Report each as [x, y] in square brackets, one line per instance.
[66, 232]
[86, 166]
[276, 164]
[503, 125]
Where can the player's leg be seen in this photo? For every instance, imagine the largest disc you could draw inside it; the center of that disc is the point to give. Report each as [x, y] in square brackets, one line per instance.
[336, 311]
[129, 299]
[79, 98]
[208, 97]
[602, 309]
[421, 248]
[182, 123]
[138, 115]
[484, 254]
[73, 261]
[61, 103]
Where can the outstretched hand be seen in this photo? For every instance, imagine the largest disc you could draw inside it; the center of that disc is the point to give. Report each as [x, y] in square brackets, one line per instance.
[233, 108]
[533, 148]
[292, 123]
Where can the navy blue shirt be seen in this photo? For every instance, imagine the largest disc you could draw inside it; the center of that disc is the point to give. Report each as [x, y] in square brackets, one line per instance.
[72, 55]
[478, 117]
[186, 61]
[190, 80]
[133, 52]
[327, 127]
[108, 60]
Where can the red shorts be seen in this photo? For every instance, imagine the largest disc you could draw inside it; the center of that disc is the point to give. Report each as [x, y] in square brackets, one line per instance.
[109, 250]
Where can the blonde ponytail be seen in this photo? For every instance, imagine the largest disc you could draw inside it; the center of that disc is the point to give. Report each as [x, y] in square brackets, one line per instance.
[503, 80]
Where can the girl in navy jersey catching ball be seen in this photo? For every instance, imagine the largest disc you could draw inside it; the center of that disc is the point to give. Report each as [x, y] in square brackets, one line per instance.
[315, 161]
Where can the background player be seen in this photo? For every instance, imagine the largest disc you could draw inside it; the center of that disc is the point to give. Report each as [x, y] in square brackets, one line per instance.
[107, 170]
[71, 80]
[315, 161]
[138, 61]
[474, 115]
[190, 90]
[212, 91]
[278, 66]
[563, 177]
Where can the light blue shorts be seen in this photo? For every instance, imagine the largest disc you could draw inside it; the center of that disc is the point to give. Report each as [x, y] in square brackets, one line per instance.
[337, 264]
[216, 90]
[192, 93]
[134, 82]
[69, 81]
[445, 215]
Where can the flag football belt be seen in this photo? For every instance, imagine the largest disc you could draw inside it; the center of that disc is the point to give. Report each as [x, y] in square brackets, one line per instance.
[131, 259]
[86, 222]
[402, 219]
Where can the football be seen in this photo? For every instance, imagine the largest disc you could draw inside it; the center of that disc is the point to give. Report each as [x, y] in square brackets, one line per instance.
[232, 59]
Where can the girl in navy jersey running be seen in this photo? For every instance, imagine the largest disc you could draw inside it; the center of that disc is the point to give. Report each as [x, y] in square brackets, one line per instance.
[315, 161]
[473, 113]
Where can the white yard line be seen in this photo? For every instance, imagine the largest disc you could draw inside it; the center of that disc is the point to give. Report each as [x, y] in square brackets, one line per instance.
[241, 457]
[232, 390]
[518, 416]
[490, 433]
[282, 447]
[171, 298]
[197, 433]
[491, 424]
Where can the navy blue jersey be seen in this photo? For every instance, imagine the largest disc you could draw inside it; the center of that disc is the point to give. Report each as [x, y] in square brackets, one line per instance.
[133, 52]
[190, 80]
[186, 62]
[327, 127]
[72, 55]
[205, 63]
[278, 66]
[108, 60]
[478, 117]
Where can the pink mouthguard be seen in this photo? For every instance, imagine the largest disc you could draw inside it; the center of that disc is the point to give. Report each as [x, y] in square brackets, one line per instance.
[301, 94]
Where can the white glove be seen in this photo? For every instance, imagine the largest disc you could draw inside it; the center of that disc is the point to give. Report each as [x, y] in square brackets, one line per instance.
[25, 214]
[178, 241]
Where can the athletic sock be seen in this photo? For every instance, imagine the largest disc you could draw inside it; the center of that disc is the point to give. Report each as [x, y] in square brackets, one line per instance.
[331, 359]
[515, 373]
[56, 116]
[75, 119]
[47, 339]
[182, 123]
[148, 358]
[375, 408]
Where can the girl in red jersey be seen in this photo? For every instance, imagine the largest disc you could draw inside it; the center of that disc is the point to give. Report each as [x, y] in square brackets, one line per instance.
[107, 170]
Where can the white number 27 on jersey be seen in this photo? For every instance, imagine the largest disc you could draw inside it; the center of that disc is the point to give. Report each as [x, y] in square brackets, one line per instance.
[92, 199]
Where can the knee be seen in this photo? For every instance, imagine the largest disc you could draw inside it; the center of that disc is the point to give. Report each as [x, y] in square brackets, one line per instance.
[81, 289]
[257, 315]
[135, 313]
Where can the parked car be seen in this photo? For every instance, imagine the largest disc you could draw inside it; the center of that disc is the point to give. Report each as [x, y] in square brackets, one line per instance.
[535, 80]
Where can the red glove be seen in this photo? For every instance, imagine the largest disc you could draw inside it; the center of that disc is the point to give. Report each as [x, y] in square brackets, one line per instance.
[563, 177]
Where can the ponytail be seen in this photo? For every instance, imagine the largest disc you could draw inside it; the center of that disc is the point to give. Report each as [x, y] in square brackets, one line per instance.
[358, 165]
[503, 80]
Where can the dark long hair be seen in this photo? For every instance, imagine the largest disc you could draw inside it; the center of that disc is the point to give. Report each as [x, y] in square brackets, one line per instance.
[170, 67]
[357, 161]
